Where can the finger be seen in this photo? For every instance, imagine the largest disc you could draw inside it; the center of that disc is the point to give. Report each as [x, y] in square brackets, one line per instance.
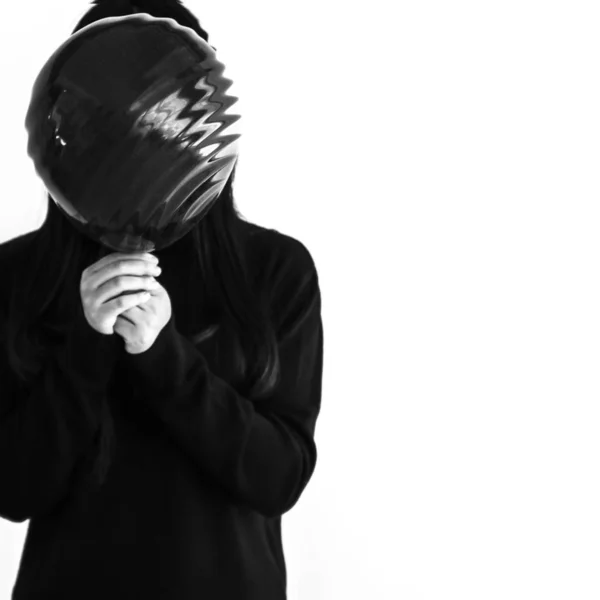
[124, 327]
[132, 316]
[140, 307]
[124, 284]
[116, 256]
[125, 267]
[114, 308]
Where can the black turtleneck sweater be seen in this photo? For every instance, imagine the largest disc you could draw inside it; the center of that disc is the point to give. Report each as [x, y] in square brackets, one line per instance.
[200, 476]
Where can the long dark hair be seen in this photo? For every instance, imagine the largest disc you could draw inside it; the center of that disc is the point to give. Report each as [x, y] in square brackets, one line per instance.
[44, 292]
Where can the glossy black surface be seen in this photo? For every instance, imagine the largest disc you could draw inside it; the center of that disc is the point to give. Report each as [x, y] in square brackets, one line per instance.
[130, 129]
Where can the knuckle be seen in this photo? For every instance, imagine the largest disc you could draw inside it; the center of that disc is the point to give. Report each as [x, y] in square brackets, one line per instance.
[114, 268]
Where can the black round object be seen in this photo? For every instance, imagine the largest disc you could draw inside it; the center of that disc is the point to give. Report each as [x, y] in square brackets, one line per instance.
[129, 128]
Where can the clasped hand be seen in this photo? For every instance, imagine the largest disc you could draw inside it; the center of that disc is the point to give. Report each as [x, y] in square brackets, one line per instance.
[120, 295]
[140, 325]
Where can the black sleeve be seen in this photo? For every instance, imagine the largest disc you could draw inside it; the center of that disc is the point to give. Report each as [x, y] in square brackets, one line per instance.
[43, 429]
[262, 452]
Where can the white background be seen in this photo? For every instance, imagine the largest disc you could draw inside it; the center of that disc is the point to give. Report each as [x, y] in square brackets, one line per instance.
[440, 161]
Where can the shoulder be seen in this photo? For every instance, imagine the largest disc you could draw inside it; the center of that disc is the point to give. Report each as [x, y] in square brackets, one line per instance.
[11, 256]
[17, 243]
[284, 269]
[11, 251]
[276, 254]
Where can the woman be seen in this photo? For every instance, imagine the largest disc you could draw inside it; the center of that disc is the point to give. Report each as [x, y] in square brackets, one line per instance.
[155, 443]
